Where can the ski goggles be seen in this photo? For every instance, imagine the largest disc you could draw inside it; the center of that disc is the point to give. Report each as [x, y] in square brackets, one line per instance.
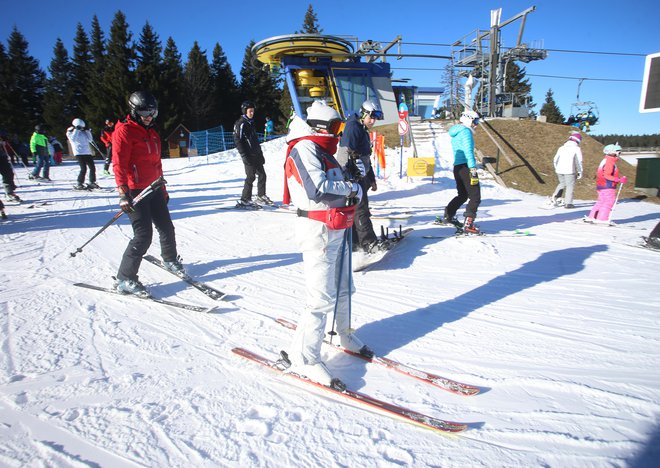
[147, 113]
[375, 114]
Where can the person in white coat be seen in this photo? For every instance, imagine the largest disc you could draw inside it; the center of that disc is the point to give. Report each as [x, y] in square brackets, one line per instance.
[568, 166]
[81, 139]
[325, 201]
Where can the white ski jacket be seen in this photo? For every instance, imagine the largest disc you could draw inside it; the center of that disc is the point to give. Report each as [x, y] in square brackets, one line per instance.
[80, 141]
[568, 159]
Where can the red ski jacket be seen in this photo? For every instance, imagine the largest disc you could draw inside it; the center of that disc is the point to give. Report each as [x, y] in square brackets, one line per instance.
[135, 155]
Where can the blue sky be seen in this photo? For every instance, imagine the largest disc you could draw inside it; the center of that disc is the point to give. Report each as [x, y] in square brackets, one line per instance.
[558, 25]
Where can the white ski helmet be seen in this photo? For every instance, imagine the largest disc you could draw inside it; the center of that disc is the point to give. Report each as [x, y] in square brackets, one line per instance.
[321, 116]
[612, 149]
[469, 117]
[371, 108]
[78, 123]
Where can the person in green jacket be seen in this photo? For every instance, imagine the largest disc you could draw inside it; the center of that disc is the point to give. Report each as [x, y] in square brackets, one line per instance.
[39, 148]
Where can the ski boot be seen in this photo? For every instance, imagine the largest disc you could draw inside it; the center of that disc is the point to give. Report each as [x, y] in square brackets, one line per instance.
[316, 372]
[469, 227]
[92, 186]
[264, 200]
[354, 344]
[176, 267]
[129, 286]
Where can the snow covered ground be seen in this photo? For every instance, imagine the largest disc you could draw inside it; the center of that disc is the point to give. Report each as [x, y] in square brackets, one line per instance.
[561, 330]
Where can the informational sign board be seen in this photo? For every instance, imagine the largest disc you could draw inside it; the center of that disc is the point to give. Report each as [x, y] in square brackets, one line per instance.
[650, 101]
[421, 167]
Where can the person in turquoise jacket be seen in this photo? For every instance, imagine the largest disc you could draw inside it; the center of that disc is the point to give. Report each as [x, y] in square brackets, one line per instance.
[465, 174]
[39, 148]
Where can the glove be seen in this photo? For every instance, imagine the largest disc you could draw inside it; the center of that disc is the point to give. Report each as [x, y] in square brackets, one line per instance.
[623, 180]
[166, 195]
[126, 203]
[579, 175]
[374, 186]
[474, 176]
[356, 192]
[360, 165]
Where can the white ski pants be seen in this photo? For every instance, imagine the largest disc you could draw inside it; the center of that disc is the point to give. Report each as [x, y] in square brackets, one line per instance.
[321, 249]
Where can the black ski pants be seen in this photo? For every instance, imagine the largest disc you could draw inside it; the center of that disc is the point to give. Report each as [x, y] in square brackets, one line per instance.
[86, 161]
[465, 192]
[363, 229]
[7, 174]
[251, 173]
[150, 211]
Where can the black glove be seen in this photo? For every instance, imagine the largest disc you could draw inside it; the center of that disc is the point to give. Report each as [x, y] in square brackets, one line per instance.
[474, 176]
[126, 203]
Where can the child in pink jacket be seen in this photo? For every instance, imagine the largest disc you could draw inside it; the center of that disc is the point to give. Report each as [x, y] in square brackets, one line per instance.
[607, 180]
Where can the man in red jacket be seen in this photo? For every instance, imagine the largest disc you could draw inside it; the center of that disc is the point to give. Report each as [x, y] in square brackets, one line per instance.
[137, 164]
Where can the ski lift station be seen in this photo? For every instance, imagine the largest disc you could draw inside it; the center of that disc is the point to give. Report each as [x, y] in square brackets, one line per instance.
[329, 68]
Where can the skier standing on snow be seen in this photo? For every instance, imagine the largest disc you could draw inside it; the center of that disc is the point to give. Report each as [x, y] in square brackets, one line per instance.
[247, 144]
[607, 180]
[39, 149]
[465, 174]
[355, 145]
[268, 128]
[568, 167]
[106, 139]
[6, 169]
[81, 139]
[316, 184]
[137, 164]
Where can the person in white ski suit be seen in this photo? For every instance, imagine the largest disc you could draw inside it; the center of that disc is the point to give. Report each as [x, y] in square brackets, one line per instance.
[568, 166]
[315, 183]
[81, 139]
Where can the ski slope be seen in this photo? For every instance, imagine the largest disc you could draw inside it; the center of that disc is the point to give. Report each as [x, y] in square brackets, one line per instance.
[560, 330]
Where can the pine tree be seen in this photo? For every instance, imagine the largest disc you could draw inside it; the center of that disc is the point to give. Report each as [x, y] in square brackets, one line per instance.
[149, 61]
[25, 87]
[5, 79]
[455, 89]
[310, 23]
[170, 102]
[119, 81]
[226, 97]
[97, 108]
[261, 87]
[81, 72]
[551, 110]
[58, 98]
[198, 89]
[516, 83]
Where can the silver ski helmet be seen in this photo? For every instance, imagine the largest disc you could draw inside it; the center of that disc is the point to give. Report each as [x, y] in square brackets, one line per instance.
[78, 123]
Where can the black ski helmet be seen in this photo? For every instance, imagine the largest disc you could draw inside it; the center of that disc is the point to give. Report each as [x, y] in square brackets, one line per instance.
[142, 104]
[247, 105]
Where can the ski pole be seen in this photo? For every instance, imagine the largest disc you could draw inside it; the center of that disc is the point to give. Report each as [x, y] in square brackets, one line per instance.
[332, 331]
[151, 188]
[609, 219]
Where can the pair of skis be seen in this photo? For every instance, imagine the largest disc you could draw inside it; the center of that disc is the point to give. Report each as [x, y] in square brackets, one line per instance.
[516, 233]
[211, 292]
[391, 409]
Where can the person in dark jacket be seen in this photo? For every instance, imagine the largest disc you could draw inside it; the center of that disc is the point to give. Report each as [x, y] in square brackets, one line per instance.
[355, 145]
[247, 144]
[106, 139]
[137, 164]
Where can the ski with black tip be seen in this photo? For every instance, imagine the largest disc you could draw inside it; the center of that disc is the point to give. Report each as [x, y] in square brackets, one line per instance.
[210, 291]
[391, 409]
[444, 383]
[178, 305]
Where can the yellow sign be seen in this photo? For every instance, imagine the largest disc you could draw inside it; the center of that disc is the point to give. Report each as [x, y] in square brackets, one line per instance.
[421, 167]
